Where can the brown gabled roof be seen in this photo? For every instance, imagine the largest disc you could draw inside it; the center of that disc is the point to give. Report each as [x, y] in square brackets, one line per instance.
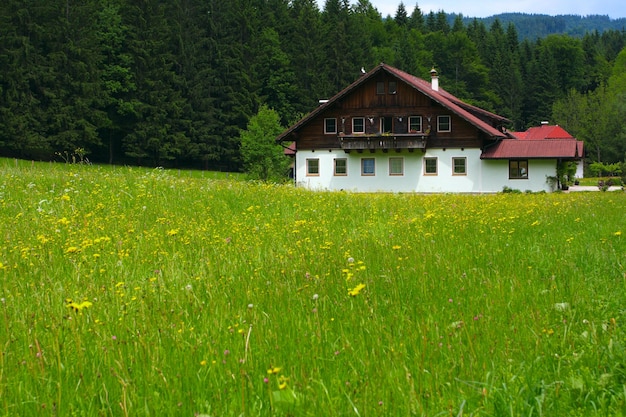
[466, 111]
[471, 114]
[534, 149]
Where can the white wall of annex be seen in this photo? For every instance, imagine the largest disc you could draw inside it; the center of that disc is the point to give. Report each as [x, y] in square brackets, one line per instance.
[483, 176]
[496, 175]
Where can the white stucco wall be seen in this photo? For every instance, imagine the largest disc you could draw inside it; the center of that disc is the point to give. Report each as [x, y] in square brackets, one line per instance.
[483, 176]
[580, 169]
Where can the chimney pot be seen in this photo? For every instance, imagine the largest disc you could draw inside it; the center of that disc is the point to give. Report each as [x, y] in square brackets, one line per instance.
[434, 79]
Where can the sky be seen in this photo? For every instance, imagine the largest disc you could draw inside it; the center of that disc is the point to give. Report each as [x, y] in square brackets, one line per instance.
[484, 8]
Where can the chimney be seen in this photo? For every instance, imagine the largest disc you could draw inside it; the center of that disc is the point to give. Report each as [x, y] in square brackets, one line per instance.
[434, 79]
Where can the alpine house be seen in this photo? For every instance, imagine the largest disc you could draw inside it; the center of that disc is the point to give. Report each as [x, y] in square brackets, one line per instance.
[390, 131]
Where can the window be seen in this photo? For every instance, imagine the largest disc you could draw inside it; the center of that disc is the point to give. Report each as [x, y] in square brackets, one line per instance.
[459, 166]
[430, 166]
[380, 87]
[368, 166]
[518, 170]
[443, 124]
[415, 124]
[341, 166]
[330, 126]
[358, 125]
[396, 166]
[393, 87]
[312, 167]
[386, 124]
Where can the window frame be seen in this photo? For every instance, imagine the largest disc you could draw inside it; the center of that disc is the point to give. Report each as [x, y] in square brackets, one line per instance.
[326, 121]
[380, 88]
[518, 169]
[411, 118]
[454, 166]
[401, 172]
[309, 166]
[363, 163]
[440, 119]
[431, 158]
[362, 119]
[340, 174]
[393, 87]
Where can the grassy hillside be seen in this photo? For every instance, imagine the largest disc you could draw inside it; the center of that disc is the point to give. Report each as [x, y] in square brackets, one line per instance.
[149, 292]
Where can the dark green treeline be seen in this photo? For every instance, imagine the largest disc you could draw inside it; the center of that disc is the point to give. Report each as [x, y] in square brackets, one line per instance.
[171, 83]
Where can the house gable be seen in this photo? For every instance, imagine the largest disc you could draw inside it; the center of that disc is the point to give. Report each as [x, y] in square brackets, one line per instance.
[383, 110]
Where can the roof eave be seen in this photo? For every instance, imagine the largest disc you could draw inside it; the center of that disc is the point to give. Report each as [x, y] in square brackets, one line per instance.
[364, 77]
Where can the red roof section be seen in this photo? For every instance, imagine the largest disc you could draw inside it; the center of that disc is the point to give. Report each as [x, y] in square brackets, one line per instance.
[545, 141]
[544, 132]
[290, 150]
[466, 111]
[535, 149]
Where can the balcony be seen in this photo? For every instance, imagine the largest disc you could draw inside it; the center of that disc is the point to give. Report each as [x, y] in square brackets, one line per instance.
[360, 142]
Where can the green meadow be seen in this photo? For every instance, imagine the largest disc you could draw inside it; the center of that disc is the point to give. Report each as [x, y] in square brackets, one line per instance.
[138, 292]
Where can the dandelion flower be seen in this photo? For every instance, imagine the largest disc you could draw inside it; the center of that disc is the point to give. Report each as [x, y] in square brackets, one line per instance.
[282, 382]
[356, 290]
[273, 370]
[618, 233]
[78, 306]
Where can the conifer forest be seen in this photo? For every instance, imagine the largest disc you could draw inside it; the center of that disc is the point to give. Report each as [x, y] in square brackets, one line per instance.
[173, 83]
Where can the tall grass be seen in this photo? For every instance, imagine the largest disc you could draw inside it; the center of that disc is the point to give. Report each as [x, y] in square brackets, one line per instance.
[137, 292]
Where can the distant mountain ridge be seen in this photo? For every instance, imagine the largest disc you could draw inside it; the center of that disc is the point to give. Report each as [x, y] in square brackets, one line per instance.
[533, 26]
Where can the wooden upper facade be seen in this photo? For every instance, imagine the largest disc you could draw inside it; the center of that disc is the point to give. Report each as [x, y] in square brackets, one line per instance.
[388, 109]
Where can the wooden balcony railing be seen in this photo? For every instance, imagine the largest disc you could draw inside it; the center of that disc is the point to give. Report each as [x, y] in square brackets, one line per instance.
[383, 141]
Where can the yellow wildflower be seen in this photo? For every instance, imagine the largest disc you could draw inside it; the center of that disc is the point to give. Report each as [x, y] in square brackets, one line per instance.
[273, 370]
[618, 233]
[172, 232]
[78, 306]
[356, 290]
